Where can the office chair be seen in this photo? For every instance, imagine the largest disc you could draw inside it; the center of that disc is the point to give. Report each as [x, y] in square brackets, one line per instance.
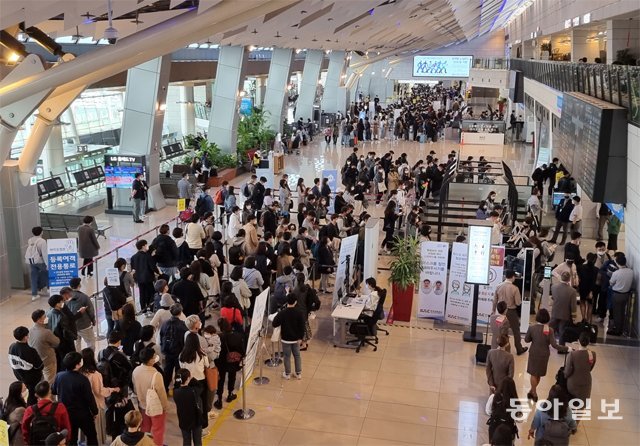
[363, 333]
[379, 314]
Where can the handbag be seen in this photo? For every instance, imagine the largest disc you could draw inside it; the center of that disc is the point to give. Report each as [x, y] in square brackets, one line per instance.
[232, 357]
[154, 405]
[211, 373]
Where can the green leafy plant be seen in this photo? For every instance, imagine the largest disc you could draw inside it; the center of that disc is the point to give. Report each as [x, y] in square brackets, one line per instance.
[624, 57]
[191, 142]
[406, 268]
[253, 133]
[215, 155]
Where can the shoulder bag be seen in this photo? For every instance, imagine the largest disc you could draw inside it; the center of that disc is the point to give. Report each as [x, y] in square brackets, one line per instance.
[154, 405]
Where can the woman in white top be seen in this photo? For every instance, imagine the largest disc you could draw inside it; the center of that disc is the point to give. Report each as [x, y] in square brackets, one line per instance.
[100, 393]
[194, 234]
[194, 359]
[235, 222]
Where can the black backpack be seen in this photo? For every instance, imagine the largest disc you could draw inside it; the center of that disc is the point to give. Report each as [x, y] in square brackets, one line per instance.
[246, 191]
[42, 425]
[236, 257]
[556, 432]
[113, 374]
[199, 209]
[313, 302]
[294, 248]
[173, 340]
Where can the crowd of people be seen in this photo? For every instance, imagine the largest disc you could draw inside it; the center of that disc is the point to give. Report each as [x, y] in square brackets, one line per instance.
[238, 241]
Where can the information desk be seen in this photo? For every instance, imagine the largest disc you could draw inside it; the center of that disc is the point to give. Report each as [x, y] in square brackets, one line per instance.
[342, 315]
[482, 132]
[278, 163]
[482, 138]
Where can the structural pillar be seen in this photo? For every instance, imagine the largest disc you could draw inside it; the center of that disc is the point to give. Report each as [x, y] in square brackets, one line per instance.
[261, 88]
[223, 124]
[53, 156]
[275, 96]
[334, 81]
[622, 34]
[309, 85]
[144, 107]
[21, 213]
[187, 110]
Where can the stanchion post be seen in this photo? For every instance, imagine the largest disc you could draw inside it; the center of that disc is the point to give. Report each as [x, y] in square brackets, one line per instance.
[261, 380]
[244, 413]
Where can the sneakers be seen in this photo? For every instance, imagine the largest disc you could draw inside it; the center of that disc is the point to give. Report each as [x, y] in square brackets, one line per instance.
[44, 292]
[34, 298]
[218, 404]
[298, 375]
[231, 397]
[286, 376]
[213, 414]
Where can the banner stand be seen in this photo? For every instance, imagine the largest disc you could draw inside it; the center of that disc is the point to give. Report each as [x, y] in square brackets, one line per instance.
[273, 360]
[244, 413]
[473, 335]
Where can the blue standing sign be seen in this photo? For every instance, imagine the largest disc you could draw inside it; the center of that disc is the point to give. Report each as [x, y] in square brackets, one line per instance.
[332, 176]
[62, 255]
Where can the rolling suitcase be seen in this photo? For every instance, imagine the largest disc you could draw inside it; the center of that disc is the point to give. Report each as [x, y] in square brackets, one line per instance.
[482, 350]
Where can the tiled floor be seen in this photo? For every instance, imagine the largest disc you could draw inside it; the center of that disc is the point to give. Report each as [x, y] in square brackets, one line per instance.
[420, 387]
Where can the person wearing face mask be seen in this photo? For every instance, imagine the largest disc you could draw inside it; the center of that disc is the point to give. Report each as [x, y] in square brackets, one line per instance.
[235, 222]
[251, 235]
[491, 200]
[194, 359]
[600, 296]
[46, 407]
[74, 391]
[63, 325]
[564, 306]
[567, 266]
[45, 343]
[587, 275]
[482, 213]
[25, 362]
[563, 218]
[146, 377]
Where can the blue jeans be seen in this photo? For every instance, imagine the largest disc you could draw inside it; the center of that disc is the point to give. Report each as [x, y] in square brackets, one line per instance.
[195, 434]
[287, 349]
[39, 277]
[138, 209]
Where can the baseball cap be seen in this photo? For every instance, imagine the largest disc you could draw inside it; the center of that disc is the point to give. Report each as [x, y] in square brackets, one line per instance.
[55, 438]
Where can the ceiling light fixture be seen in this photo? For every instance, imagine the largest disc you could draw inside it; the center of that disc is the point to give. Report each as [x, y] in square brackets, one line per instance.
[277, 36]
[314, 40]
[255, 31]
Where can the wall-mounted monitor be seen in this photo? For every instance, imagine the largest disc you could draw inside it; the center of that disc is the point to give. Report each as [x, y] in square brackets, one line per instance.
[442, 66]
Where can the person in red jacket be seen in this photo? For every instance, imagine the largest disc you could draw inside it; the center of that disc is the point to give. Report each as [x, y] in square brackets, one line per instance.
[43, 392]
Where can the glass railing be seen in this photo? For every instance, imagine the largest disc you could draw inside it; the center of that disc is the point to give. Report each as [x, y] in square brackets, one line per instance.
[491, 63]
[618, 84]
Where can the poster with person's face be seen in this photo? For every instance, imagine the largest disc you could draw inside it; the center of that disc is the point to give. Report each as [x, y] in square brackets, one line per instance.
[433, 279]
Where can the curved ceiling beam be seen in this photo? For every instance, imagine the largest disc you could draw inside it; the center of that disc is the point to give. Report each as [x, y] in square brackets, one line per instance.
[140, 47]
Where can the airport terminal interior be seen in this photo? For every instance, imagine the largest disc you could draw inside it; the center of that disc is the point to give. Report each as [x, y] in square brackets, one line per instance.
[433, 206]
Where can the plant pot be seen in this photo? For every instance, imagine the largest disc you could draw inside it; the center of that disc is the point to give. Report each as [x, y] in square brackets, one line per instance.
[226, 174]
[402, 302]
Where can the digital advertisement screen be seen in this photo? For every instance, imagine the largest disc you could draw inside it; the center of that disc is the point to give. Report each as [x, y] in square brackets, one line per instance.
[442, 66]
[479, 254]
[120, 177]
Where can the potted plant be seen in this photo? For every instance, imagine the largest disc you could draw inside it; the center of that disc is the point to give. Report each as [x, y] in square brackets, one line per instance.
[405, 274]
[501, 102]
[223, 164]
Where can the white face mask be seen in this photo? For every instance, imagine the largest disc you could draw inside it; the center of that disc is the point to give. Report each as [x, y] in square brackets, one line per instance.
[367, 290]
[25, 394]
[156, 359]
[207, 336]
[601, 253]
[62, 305]
[46, 321]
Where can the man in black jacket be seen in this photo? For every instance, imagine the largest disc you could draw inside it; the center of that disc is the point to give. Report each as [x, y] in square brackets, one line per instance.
[171, 342]
[62, 322]
[563, 220]
[74, 391]
[270, 219]
[188, 293]
[166, 252]
[257, 195]
[144, 273]
[26, 363]
[291, 323]
[551, 175]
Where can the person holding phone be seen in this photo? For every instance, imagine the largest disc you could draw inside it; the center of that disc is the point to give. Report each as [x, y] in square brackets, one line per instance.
[139, 190]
